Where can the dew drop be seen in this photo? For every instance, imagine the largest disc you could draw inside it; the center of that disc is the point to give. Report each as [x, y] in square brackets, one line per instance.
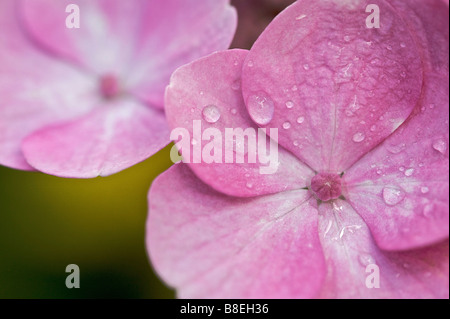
[403, 74]
[440, 146]
[358, 137]
[379, 172]
[306, 67]
[250, 64]
[401, 168]
[289, 104]
[366, 259]
[300, 119]
[249, 185]
[373, 128]
[409, 172]
[346, 38]
[233, 111]
[261, 108]
[211, 114]
[402, 45]
[287, 125]
[424, 189]
[392, 196]
[389, 47]
[396, 148]
[295, 143]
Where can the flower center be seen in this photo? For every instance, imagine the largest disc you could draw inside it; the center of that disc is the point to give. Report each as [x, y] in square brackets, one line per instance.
[109, 86]
[326, 186]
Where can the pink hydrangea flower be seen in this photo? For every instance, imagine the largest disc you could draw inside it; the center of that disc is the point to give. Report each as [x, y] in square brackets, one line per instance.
[89, 101]
[362, 118]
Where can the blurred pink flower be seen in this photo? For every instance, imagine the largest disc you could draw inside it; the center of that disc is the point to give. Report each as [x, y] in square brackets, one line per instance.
[89, 101]
[362, 116]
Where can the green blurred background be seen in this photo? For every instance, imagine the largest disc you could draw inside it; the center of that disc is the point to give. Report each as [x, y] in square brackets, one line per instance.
[48, 222]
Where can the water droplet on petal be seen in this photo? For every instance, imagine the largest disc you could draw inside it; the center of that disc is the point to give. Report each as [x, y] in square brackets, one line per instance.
[211, 114]
[401, 168]
[373, 128]
[395, 149]
[306, 66]
[424, 189]
[359, 137]
[393, 196]
[403, 74]
[249, 185]
[233, 111]
[300, 119]
[389, 47]
[289, 104]
[402, 45]
[250, 64]
[261, 108]
[440, 146]
[286, 125]
[295, 143]
[366, 259]
[346, 38]
[409, 172]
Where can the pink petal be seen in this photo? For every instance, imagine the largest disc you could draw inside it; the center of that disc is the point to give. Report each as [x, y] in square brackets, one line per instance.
[213, 83]
[177, 32]
[401, 187]
[111, 138]
[104, 43]
[140, 40]
[331, 79]
[351, 253]
[32, 93]
[429, 22]
[208, 245]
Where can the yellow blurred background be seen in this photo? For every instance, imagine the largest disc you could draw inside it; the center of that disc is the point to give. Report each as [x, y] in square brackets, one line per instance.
[48, 222]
